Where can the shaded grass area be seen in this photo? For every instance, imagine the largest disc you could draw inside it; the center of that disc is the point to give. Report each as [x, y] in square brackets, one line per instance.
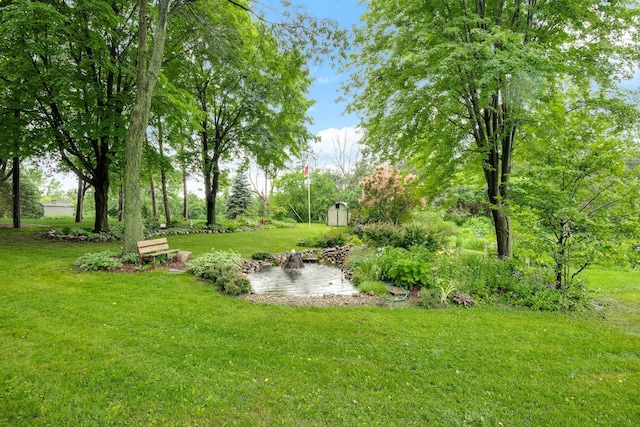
[163, 349]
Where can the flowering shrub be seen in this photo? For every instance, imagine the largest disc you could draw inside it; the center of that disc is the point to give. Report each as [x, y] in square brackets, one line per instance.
[387, 195]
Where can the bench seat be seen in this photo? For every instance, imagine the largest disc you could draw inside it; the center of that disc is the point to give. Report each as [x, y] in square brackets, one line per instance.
[154, 248]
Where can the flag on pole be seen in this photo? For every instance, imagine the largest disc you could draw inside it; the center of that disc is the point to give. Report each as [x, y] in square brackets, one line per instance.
[306, 170]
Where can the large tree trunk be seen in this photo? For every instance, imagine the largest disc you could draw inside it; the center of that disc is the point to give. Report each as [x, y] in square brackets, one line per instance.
[503, 233]
[101, 197]
[147, 76]
[211, 186]
[494, 134]
[17, 216]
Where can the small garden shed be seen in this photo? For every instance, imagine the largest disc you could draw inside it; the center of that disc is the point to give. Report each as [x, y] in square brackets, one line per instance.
[58, 208]
[338, 215]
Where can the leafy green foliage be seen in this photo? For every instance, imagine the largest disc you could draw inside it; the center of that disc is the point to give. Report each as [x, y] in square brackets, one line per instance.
[260, 256]
[291, 197]
[506, 280]
[29, 199]
[381, 235]
[576, 192]
[223, 269]
[450, 84]
[332, 238]
[105, 260]
[200, 266]
[409, 272]
[430, 235]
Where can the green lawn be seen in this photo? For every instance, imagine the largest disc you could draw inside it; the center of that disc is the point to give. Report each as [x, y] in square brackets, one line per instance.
[159, 348]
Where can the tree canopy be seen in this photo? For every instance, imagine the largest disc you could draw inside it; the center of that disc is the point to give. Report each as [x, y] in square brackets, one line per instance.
[446, 83]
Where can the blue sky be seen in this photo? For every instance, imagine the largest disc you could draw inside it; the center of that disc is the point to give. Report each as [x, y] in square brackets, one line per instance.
[326, 112]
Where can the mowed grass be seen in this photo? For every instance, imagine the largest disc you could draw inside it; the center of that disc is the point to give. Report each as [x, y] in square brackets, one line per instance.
[158, 348]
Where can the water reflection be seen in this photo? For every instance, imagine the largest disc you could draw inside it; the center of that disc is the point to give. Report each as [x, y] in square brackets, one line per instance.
[312, 280]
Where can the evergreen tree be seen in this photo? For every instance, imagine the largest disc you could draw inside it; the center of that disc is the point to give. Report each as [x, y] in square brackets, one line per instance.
[240, 199]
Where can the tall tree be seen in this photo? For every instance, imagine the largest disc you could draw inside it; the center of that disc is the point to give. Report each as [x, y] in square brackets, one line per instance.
[77, 57]
[240, 199]
[147, 76]
[574, 190]
[250, 93]
[446, 82]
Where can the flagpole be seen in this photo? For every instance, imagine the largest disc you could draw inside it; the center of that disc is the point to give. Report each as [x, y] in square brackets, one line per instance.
[309, 197]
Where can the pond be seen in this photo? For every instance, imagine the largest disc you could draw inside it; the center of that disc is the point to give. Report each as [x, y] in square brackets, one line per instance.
[312, 280]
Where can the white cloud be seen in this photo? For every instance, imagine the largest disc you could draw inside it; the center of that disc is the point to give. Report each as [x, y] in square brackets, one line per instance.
[338, 147]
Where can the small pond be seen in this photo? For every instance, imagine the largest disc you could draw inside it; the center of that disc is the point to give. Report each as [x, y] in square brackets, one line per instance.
[312, 280]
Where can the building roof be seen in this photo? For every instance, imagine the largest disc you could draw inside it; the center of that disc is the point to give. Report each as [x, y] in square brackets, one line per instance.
[55, 204]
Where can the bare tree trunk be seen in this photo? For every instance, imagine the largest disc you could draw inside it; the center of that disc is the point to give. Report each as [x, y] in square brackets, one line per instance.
[185, 203]
[17, 216]
[147, 77]
[154, 205]
[120, 203]
[163, 176]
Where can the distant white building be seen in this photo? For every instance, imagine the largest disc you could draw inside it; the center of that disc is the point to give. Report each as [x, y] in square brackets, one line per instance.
[338, 215]
[58, 208]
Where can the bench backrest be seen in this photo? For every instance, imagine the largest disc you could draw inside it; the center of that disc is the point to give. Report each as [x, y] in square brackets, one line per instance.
[148, 246]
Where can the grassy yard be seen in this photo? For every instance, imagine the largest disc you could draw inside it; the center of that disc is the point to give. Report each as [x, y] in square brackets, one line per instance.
[158, 348]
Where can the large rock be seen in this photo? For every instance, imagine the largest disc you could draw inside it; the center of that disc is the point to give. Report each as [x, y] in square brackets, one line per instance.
[293, 259]
[183, 256]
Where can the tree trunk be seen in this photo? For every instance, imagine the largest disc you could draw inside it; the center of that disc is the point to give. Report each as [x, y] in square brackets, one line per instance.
[210, 199]
[163, 176]
[185, 203]
[165, 198]
[147, 76]
[211, 185]
[503, 233]
[17, 216]
[80, 200]
[101, 197]
[120, 203]
[152, 193]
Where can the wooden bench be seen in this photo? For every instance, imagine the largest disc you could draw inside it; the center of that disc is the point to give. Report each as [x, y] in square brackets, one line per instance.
[154, 248]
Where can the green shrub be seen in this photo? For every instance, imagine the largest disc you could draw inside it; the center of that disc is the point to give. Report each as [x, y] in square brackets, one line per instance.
[223, 269]
[308, 242]
[201, 266]
[233, 284]
[333, 238]
[416, 235]
[106, 260]
[261, 256]
[131, 258]
[330, 239]
[409, 273]
[509, 281]
[381, 234]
